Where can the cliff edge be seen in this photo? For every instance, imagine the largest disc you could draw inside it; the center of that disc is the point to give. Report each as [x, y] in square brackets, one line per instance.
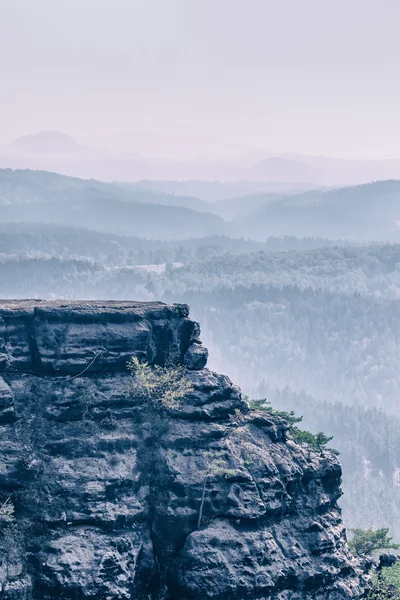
[107, 495]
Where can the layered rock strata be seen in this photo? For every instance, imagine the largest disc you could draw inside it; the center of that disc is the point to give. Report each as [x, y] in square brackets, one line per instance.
[116, 497]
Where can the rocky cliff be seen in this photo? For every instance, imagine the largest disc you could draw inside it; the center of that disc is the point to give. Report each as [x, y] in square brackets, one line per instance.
[116, 497]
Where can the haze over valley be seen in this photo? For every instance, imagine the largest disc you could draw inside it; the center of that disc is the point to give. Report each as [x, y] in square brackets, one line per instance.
[256, 169]
[297, 293]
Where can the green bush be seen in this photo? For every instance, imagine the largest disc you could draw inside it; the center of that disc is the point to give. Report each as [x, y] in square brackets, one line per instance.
[385, 585]
[166, 386]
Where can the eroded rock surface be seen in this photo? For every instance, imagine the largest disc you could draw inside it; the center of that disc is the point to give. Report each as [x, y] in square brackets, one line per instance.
[108, 488]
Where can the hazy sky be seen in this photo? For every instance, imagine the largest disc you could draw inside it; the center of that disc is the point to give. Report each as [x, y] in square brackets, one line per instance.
[316, 76]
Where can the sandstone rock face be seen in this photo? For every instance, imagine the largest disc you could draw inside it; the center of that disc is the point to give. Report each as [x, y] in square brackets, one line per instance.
[116, 498]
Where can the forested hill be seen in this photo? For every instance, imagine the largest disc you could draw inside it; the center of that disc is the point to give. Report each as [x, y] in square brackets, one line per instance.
[139, 219]
[28, 240]
[55, 199]
[335, 346]
[363, 212]
[24, 185]
[234, 209]
[371, 269]
[359, 214]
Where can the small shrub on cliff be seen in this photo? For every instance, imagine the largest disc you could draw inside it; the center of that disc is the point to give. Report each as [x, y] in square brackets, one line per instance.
[167, 386]
[6, 512]
[237, 417]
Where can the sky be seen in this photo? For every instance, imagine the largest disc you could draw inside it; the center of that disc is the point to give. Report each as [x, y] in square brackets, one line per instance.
[295, 76]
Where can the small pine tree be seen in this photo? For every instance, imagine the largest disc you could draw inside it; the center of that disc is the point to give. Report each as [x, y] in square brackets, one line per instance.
[314, 442]
[264, 405]
[368, 541]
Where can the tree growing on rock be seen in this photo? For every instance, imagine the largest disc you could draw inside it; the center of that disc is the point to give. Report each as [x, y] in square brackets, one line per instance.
[370, 541]
[313, 441]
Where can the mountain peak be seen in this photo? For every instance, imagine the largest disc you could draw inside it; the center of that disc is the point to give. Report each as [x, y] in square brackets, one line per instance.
[48, 141]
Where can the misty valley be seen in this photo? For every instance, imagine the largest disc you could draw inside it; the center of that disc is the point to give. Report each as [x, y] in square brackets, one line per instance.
[308, 320]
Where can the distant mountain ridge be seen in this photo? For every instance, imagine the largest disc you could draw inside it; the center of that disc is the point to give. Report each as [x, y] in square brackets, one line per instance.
[239, 208]
[216, 191]
[364, 212]
[56, 151]
[37, 196]
[26, 185]
[47, 142]
[359, 213]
